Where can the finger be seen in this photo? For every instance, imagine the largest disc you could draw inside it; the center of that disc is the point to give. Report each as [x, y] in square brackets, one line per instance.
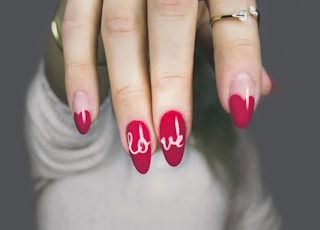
[204, 44]
[268, 84]
[171, 25]
[124, 35]
[203, 33]
[79, 36]
[237, 60]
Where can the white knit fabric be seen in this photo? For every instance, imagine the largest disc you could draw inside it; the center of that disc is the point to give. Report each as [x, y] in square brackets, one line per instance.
[95, 186]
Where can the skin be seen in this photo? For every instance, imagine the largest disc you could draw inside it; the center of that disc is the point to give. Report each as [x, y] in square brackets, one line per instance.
[236, 45]
[55, 68]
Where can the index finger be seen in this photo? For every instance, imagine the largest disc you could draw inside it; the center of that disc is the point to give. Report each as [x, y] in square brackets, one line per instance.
[79, 38]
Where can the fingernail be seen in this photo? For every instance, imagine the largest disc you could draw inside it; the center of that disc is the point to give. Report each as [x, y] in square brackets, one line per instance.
[81, 114]
[139, 144]
[173, 137]
[241, 101]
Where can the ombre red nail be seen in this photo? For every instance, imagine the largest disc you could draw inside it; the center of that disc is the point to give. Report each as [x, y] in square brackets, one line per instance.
[81, 112]
[241, 100]
[139, 145]
[173, 137]
[83, 121]
[241, 110]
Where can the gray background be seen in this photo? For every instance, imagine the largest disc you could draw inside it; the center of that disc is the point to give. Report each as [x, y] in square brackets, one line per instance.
[285, 126]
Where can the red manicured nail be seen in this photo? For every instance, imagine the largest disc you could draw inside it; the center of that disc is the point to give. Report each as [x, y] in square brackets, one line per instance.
[82, 121]
[241, 100]
[241, 109]
[81, 114]
[139, 144]
[173, 137]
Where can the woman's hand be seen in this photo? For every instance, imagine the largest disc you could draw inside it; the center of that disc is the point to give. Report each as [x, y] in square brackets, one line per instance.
[149, 47]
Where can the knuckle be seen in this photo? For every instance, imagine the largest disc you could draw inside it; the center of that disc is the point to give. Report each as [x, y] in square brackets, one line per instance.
[172, 7]
[128, 94]
[171, 79]
[171, 76]
[69, 25]
[242, 44]
[78, 68]
[119, 23]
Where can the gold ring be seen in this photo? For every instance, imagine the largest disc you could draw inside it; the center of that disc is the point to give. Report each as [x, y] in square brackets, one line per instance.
[242, 15]
[55, 30]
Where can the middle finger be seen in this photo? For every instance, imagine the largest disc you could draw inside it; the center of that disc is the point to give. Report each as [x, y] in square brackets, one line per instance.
[171, 28]
[124, 36]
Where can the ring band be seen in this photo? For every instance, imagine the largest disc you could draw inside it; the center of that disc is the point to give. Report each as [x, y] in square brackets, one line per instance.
[242, 15]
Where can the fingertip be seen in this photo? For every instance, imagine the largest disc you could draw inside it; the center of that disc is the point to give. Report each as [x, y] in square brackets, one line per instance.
[269, 85]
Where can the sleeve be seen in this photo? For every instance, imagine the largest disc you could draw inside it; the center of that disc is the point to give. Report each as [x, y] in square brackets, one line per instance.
[55, 146]
[251, 207]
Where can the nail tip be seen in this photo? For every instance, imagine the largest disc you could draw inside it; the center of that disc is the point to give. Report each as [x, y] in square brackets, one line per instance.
[241, 125]
[173, 156]
[143, 171]
[174, 163]
[142, 162]
[241, 122]
[83, 132]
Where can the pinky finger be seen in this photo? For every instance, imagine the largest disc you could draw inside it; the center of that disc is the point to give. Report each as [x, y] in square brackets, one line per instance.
[268, 84]
[79, 37]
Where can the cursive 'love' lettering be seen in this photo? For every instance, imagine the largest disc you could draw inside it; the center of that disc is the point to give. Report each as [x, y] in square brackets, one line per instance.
[142, 144]
[179, 140]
